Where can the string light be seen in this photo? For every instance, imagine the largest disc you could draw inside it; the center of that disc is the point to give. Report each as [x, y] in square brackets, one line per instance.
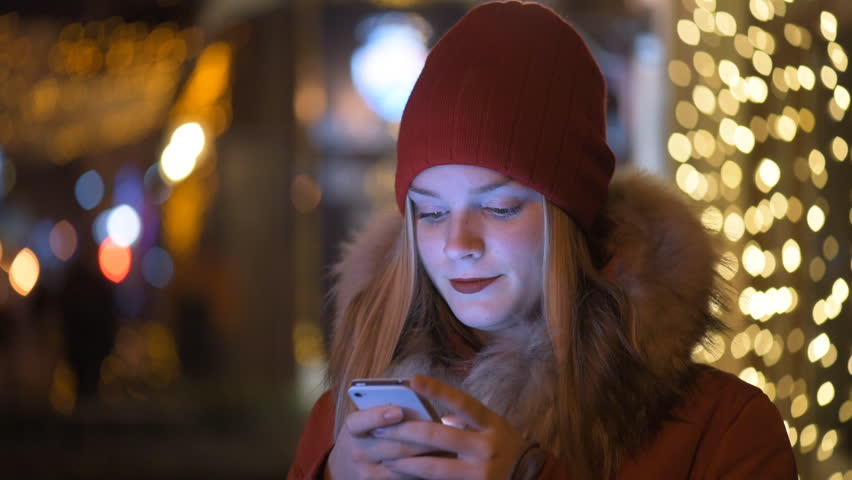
[748, 84]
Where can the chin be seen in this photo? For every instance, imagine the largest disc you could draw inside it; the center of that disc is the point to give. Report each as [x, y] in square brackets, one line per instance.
[481, 320]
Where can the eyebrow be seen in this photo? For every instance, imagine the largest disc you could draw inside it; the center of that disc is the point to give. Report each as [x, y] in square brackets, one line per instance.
[477, 191]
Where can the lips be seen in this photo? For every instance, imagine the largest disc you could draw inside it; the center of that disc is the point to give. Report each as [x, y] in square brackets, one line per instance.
[471, 285]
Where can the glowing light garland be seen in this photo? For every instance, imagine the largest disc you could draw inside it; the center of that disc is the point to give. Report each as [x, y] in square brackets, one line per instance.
[758, 137]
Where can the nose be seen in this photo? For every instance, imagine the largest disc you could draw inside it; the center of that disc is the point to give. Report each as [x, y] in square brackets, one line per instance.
[464, 238]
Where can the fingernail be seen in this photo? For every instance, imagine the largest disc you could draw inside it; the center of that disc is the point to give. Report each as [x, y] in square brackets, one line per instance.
[379, 432]
[393, 414]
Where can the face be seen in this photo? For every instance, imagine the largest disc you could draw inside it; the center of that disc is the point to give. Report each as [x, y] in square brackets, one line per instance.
[480, 236]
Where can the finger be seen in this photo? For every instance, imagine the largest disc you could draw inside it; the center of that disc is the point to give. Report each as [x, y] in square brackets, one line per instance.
[361, 422]
[436, 436]
[454, 421]
[381, 450]
[381, 472]
[432, 468]
[469, 409]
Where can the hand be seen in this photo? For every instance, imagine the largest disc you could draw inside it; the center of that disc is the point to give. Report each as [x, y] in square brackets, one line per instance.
[486, 449]
[358, 454]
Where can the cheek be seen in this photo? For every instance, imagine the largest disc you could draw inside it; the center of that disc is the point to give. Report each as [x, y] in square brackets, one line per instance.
[428, 247]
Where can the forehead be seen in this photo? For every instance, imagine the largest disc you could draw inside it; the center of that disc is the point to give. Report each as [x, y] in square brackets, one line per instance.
[457, 177]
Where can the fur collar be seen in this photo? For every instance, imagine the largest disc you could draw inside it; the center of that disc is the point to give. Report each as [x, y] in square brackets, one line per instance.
[662, 258]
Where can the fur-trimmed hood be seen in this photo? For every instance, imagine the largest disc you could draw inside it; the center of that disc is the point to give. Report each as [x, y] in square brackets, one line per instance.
[662, 258]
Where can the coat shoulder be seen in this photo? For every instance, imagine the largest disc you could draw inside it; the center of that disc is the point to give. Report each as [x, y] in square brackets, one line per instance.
[316, 441]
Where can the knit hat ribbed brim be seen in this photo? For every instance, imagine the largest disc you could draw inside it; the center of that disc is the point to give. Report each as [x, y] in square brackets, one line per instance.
[514, 88]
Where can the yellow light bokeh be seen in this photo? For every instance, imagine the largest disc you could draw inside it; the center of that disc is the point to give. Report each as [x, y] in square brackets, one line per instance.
[762, 62]
[727, 130]
[705, 20]
[816, 161]
[794, 209]
[757, 89]
[679, 146]
[180, 156]
[845, 412]
[704, 143]
[791, 77]
[839, 148]
[830, 248]
[726, 24]
[703, 99]
[743, 46]
[806, 77]
[688, 32]
[704, 64]
[686, 114]
[841, 96]
[728, 103]
[840, 290]
[754, 261]
[829, 441]
[679, 73]
[762, 10]
[815, 218]
[761, 39]
[734, 227]
[779, 80]
[785, 128]
[828, 76]
[809, 433]
[818, 347]
[798, 408]
[807, 121]
[732, 174]
[743, 139]
[838, 56]
[761, 112]
[793, 34]
[24, 272]
[816, 269]
[791, 256]
[768, 173]
[728, 72]
[795, 340]
[778, 205]
[828, 25]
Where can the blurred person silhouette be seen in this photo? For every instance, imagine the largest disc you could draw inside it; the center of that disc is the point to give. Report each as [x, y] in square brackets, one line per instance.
[89, 319]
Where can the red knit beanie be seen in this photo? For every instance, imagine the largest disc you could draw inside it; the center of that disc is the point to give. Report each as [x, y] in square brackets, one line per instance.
[512, 87]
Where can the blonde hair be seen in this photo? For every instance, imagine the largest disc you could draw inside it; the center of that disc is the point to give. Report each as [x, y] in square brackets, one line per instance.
[399, 298]
[586, 319]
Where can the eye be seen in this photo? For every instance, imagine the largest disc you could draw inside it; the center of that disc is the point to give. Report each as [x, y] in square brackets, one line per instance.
[431, 217]
[504, 212]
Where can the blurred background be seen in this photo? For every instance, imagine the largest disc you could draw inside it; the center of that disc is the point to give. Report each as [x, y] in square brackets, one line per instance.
[176, 177]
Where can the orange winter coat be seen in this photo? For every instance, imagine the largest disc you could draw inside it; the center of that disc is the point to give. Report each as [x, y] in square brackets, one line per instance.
[724, 429]
[689, 421]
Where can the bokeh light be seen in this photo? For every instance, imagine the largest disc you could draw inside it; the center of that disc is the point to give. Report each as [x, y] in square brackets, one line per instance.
[123, 225]
[89, 190]
[24, 272]
[157, 267]
[63, 240]
[386, 67]
[180, 156]
[114, 260]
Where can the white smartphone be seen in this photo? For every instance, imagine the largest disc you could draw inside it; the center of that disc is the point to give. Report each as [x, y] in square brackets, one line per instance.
[377, 392]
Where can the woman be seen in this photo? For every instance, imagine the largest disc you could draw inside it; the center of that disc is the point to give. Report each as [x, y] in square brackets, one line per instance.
[548, 315]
